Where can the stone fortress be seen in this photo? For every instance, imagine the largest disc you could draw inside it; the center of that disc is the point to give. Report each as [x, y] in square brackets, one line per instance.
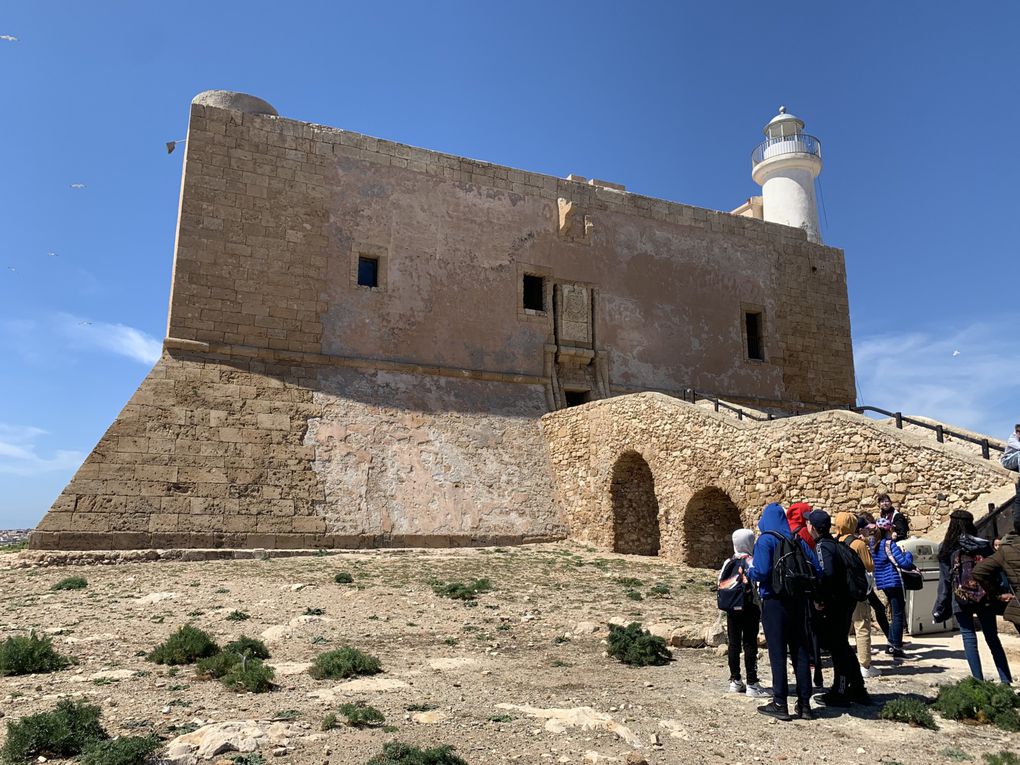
[371, 344]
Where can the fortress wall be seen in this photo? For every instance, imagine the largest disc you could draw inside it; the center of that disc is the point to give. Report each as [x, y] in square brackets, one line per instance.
[275, 212]
[215, 452]
[835, 460]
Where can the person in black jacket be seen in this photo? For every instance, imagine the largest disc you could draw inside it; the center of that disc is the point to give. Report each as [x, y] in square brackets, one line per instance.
[835, 608]
[962, 596]
[900, 525]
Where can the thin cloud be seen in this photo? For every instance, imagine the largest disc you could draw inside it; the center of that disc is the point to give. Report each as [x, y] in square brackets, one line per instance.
[967, 377]
[8, 38]
[19, 452]
[114, 338]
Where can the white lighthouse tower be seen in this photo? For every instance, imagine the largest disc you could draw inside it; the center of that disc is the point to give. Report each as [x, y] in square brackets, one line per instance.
[785, 165]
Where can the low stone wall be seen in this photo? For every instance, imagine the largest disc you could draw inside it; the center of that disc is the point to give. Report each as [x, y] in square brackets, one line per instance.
[710, 473]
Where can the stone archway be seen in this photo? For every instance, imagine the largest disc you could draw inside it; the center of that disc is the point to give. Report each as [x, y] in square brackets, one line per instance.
[709, 522]
[635, 508]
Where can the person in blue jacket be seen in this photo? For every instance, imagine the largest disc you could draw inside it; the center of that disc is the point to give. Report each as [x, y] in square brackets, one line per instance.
[784, 620]
[887, 555]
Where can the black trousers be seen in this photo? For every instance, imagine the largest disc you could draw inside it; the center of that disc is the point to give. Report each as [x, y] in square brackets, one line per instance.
[786, 632]
[742, 633]
[834, 628]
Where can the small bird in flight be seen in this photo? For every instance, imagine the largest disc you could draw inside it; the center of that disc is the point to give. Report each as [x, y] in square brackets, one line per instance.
[77, 185]
[11, 268]
[53, 254]
[956, 353]
[89, 323]
[9, 38]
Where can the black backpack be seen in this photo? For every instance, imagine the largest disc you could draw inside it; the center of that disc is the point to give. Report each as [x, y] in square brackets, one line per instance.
[732, 593]
[857, 586]
[792, 576]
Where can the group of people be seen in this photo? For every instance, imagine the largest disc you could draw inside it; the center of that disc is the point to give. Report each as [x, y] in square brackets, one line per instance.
[809, 579]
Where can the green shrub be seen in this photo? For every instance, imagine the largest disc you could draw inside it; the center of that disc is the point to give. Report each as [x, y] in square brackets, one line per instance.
[344, 662]
[633, 645]
[64, 732]
[361, 715]
[461, 591]
[187, 645]
[129, 750]
[1001, 758]
[71, 583]
[238, 616]
[955, 754]
[329, 722]
[28, 655]
[246, 646]
[629, 582]
[659, 589]
[912, 711]
[216, 666]
[249, 675]
[343, 577]
[314, 611]
[398, 753]
[980, 700]
[634, 595]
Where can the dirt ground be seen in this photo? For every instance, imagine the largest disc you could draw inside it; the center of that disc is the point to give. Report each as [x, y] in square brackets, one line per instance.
[482, 678]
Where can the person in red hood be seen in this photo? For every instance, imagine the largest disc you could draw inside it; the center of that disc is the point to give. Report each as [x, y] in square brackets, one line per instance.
[795, 516]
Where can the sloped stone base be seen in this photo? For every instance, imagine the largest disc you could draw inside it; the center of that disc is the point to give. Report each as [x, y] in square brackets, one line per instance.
[227, 452]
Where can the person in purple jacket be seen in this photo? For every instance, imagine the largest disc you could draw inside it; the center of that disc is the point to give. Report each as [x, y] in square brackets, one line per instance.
[887, 555]
[784, 619]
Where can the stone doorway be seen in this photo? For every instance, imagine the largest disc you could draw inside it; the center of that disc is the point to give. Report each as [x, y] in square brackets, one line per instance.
[635, 508]
[709, 523]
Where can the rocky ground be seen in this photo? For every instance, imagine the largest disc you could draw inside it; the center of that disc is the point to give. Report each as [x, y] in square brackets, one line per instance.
[520, 676]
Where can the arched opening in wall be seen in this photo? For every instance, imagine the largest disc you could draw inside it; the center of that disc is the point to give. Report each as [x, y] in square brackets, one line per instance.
[709, 523]
[635, 509]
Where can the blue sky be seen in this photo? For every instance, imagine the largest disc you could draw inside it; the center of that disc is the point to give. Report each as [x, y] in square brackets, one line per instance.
[915, 103]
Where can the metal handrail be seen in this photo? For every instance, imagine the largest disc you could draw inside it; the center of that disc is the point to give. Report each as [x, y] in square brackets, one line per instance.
[799, 143]
[941, 431]
[996, 523]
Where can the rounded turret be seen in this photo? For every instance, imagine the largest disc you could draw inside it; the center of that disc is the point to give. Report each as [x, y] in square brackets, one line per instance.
[785, 165]
[238, 102]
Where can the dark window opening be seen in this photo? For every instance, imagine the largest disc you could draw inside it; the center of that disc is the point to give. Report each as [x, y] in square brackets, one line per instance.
[534, 292]
[577, 397]
[755, 342]
[368, 272]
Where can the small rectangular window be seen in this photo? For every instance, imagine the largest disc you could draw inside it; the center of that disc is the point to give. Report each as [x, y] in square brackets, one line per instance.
[368, 271]
[755, 341]
[534, 292]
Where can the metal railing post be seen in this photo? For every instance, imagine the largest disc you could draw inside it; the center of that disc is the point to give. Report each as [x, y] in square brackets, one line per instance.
[740, 414]
[984, 449]
[899, 420]
[938, 434]
[716, 404]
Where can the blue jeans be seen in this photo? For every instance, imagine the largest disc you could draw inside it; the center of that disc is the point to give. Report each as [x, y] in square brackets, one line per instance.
[986, 617]
[897, 605]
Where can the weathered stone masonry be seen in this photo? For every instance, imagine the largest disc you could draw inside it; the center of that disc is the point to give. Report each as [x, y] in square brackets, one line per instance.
[295, 407]
[709, 473]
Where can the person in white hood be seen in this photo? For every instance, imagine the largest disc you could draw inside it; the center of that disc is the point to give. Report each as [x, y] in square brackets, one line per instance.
[738, 598]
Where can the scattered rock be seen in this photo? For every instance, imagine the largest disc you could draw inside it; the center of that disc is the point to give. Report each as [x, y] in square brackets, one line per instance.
[586, 628]
[429, 718]
[155, 597]
[287, 668]
[360, 685]
[211, 740]
[586, 718]
[452, 663]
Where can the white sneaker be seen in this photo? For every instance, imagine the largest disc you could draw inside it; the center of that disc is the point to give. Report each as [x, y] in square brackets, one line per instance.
[737, 687]
[755, 691]
[870, 672]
